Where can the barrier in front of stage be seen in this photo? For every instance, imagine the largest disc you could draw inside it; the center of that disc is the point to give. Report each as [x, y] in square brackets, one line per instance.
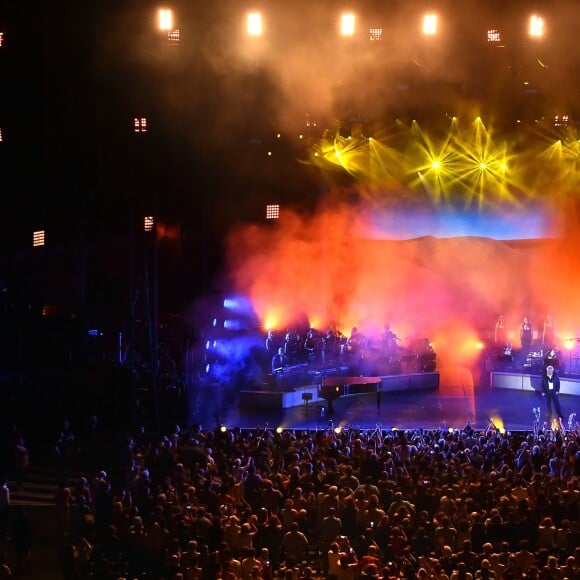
[351, 386]
[523, 382]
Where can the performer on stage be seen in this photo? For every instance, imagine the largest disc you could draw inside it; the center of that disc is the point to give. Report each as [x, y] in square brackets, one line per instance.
[549, 333]
[552, 359]
[500, 333]
[551, 390]
[526, 335]
[278, 361]
[271, 343]
[313, 347]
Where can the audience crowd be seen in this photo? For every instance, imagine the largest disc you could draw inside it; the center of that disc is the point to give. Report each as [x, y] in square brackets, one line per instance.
[351, 504]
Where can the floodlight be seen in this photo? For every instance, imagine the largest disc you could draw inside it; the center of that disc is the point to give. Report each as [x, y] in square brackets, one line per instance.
[254, 24]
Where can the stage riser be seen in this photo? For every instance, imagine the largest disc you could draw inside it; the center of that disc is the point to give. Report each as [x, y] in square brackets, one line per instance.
[522, 382]
[285, 400]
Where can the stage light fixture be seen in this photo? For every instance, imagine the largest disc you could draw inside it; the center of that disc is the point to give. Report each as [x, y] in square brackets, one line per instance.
[38, 238]
[148, 223]
[254, 25]
[347, 24]
[165, 19]
[140, 125]
[430, 24]
[536, 26]
[272, 211]
[493, 36]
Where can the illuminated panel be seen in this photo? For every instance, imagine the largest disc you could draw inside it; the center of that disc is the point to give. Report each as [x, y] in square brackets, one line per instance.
[174, 37]
[140, 125]
[375, 34]
[561, 120]
[536, 28]
[1, 139]
[523, 224]
[38, 238]
[1, 39]
[148, 223]
[347, 22]
[165, 19]
[272, 211]
[493, 36]
[254, 24]
[430, 24]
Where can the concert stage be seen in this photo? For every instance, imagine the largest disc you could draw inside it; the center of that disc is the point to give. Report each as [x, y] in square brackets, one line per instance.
[337, 387]
[527, 382]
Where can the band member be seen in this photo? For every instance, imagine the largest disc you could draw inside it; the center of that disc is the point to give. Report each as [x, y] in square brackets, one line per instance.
[500, 333]
[332, 344]
[291, 347]
[313, 347]
[552, 359]
[271, 343]
[549, 333]
[388, 339]
[355, 343]
[551, 390]
[278, 361]
[526, 335]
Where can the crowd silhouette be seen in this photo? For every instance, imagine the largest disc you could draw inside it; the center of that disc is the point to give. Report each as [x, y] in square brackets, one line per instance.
[261, 503]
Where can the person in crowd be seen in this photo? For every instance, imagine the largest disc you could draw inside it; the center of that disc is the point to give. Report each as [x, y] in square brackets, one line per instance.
[21, 461]
[22, 539]
[5, 504]
[551, 392]
[413, 532]
[5, 569]
[295, 542]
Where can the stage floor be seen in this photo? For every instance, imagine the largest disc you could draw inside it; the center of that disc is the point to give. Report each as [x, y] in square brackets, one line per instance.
[449, 406]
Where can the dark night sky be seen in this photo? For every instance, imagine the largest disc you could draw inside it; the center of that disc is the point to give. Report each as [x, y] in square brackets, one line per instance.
[76, 74]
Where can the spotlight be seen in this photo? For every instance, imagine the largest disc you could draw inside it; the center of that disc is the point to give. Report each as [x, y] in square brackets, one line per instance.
[223, 428]
[279, 430]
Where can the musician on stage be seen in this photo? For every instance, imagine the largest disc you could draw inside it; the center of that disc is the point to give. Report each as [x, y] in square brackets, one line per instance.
[500, 333]
[292, 347]
[279, 361]
[549, 333]
[526, 335]
[313, 347]
[355, 343]
[551, 390]
[332, 344]
[388, 339]
[552, 359]
[271, 343]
